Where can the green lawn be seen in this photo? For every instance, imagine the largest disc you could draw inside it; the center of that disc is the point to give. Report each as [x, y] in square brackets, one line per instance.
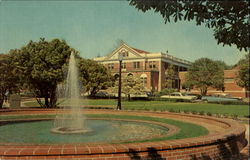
[240, 110]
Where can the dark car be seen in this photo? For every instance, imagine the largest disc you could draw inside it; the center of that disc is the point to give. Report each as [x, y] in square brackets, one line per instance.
[149, 94]
[102, 94]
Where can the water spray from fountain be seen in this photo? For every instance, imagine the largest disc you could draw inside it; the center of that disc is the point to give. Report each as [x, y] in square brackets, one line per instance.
[71, 120]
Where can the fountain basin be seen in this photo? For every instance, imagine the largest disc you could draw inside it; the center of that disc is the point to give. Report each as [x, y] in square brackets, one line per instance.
[225, 140]
[100, 130]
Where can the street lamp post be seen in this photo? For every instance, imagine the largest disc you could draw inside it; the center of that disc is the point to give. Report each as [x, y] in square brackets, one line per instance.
[119, 107]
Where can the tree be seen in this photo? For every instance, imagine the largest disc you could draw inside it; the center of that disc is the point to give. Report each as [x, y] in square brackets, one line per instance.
[228, 19]
[243, 74]
[224, 65]
[41, 66]
[170, 76]
[94, 76]
[204, 73]
[130, 85]
[8, 79]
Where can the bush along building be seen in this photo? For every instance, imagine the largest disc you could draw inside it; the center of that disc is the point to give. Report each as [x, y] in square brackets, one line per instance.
[151, 67]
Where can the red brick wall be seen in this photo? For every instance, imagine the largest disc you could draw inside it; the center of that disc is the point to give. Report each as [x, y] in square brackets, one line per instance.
[230, 84]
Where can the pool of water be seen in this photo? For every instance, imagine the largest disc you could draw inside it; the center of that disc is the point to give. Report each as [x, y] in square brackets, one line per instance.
[39, 132]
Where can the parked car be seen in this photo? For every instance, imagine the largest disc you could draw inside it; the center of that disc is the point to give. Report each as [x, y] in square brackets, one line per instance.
[226, 95]
[219, 98]
[198, 96]
[103, 94]
[179, 95]
[149, 94]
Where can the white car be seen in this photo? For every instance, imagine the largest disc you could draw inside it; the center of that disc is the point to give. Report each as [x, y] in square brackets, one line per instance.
[178, 95]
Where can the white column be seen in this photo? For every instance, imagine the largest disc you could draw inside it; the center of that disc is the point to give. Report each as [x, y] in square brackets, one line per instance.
[160, 76]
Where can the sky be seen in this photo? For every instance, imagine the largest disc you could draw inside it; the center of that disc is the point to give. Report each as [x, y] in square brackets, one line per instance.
[94, 28]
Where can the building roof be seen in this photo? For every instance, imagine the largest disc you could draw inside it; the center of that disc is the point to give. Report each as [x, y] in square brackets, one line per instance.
[138, 53]
[139, 50]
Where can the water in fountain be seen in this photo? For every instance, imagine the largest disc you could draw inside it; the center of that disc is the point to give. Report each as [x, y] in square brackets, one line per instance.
[71, 120]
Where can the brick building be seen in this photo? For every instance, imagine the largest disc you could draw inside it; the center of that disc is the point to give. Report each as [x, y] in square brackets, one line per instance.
[150, 67]
[230, 85]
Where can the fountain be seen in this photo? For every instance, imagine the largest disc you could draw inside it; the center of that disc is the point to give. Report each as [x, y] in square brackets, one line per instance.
[72, 119]
[114, 134]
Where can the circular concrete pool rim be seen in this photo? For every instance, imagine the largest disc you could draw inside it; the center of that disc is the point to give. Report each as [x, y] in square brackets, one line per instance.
[225, 140]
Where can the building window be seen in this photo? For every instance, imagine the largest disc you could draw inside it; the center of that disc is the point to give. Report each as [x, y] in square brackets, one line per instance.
[123, 65]
[136, 64]
[143, 78]
[152, 64]
[176, 68]
[111, 66]
[125, 54]
[144, 81]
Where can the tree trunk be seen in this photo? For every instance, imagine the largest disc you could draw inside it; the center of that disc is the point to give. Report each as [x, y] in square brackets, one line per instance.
[1, 102]
[129, 97]
[203, 91]
[53, 98]
[93, 91]
[246, 93]
[46, 98]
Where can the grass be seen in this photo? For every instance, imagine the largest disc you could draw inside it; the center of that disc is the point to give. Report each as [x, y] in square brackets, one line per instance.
[187, 130]
[239, 110]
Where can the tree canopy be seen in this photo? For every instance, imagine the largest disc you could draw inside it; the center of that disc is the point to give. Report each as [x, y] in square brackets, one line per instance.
[228, 19]
[224, 65]
[40, 66]
[170, 76]
[94, 76]
[243, 74]
[130, 85]
[205, 73]
[9, 82]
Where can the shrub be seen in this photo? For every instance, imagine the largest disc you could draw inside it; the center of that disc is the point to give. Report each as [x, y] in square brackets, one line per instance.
[186, 111]
[140, 98]
[161, 99]
[231, 102]
[171, 110]
[162, 110]
[178, 111]
[154, 109]
[225, 115]
[194, 112]
[209, 114]
[234, 116]
[218, 115]
[168, 99]
[201, 113]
